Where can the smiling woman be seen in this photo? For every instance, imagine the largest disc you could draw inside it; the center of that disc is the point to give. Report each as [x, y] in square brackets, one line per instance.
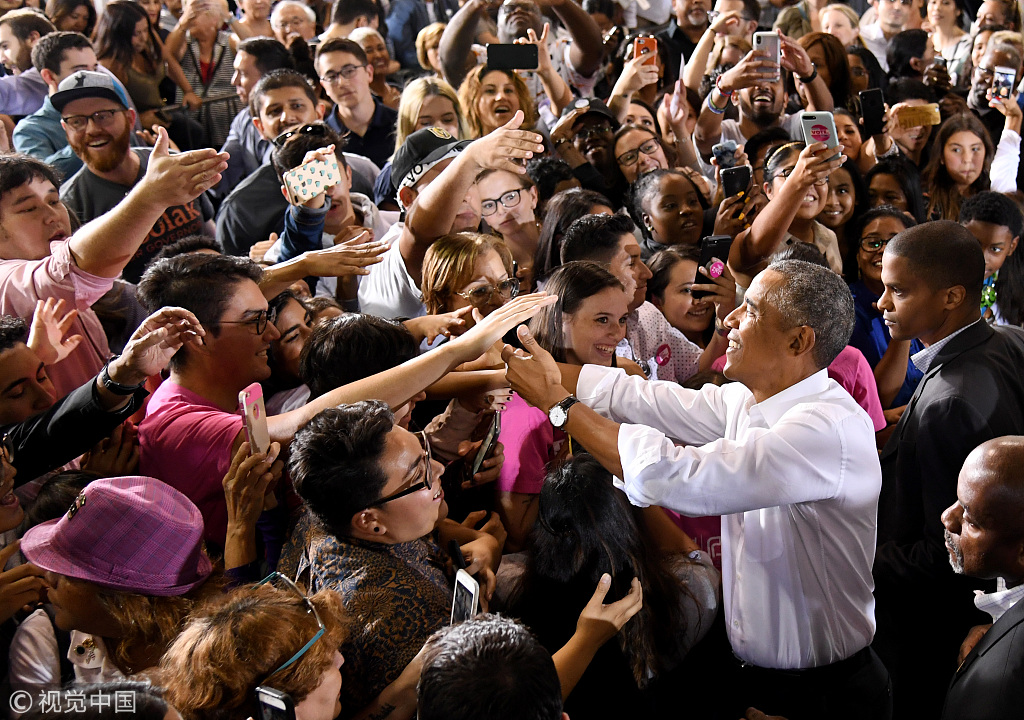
[491, 97]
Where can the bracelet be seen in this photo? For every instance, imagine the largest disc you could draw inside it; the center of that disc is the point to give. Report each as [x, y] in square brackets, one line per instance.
[718, 87]
[894, 149]
[713, 108]
[810, 78]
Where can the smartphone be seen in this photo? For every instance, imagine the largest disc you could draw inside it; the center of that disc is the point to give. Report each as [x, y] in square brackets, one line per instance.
[648, 45]
[250, 402]
[735, 180]
[872, 110]
[509, 56]
[725, 154]
[939, 61]
[1002, 85]
[711, 247]
[820, 127]
[919, 116]
[487, 445]
[274, 704]
[768, 42]
[308, 180]
[466, 602]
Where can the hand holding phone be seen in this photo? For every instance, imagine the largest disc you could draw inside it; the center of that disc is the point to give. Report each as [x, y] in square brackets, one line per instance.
[466, 599]
[872, 111]
[310, 179]
[714, 253]
[250, 401]
[770, 44]
[736, 180]
[820, 127]
[512, 56]
[725, 154]
[646, 46]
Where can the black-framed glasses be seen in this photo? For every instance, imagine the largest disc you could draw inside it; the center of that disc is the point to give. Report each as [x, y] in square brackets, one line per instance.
[425, 484]
[786, 172]
[259, 322]
[648, 147]
[346, 72]
[507, 200]
[482, 294]
[314, 129]
[102, 118]
[874, 243]
[594, 130]
[310, 608]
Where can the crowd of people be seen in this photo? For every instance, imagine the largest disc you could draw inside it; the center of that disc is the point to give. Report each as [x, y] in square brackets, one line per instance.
[314, 315]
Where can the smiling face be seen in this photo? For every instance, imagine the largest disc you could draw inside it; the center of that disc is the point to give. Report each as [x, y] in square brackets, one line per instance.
[282, 109]
[673, 215]
[869, 260]
[997, 242]
[376, 54]
[238, 350]
[488, 271]
[763, 103]
[593, 137]
[11, 512]
[628, 267]
[839, 201]
[978, 49]
[324, 703]
[405, 464]
[685, 313]
[964, 157]
[814, 196]
[497, 102]
[101, 145]
[502, 188]
[649, 153]
[849, 135]
[31, 217]
[597, 326]
[757, 337]
[293, 325]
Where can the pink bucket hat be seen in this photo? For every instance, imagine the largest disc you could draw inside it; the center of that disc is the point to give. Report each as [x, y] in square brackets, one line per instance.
[134, 534]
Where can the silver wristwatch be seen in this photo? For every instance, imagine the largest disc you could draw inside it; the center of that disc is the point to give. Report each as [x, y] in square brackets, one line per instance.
[559, 413]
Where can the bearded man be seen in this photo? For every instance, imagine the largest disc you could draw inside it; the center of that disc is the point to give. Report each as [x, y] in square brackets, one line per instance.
[98, 121]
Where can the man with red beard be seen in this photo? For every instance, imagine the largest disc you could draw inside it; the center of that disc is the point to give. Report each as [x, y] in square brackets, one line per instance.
[98, 121]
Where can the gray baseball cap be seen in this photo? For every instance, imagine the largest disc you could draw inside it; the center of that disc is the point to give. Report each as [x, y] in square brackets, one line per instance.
[86, 84]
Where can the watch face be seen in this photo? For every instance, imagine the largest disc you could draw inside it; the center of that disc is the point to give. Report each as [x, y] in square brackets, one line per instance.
[557, 415]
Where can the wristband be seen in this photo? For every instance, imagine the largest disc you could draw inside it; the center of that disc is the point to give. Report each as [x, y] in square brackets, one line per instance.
[718, 87]
[115, 387]
[810, 78]
[894, 149]
[713, 108]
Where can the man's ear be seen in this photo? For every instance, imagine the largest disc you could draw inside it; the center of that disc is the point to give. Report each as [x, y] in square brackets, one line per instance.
[321, 110]
[533, 196]
[48, 77]
[368, 522]
[258, 124]
[918, 64]
[132, 116]
[406, 196]
[803, 340]
[348, 178]
[33, 38]
[369, 71]
[955, 296]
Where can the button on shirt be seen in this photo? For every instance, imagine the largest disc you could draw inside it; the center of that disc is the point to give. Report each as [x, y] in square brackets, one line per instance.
[796, 479]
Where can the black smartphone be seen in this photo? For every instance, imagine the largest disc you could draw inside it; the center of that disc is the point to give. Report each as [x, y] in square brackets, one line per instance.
[274, 704]
[713, 246]
[487, 444]
[725, 153]
[509, 56]
[872, 110]
[735, 180]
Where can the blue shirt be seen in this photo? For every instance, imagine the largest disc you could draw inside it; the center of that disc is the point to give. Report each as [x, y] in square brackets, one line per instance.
[378, 143]
[42, 136]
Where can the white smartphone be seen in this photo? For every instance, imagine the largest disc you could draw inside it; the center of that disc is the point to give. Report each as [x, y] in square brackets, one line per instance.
[820, 127]
[768, 42]
[250, 402]
[1002, 84]
[466, 602]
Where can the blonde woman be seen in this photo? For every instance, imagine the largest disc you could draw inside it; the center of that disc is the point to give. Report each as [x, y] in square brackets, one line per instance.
[427, 42]
[842, 21]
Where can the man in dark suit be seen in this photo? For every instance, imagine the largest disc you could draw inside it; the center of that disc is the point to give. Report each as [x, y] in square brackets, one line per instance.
[985, 538]
[972, 391]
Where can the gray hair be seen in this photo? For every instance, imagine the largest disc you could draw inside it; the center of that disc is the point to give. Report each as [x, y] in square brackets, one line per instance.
[275, 16]
[818, 298]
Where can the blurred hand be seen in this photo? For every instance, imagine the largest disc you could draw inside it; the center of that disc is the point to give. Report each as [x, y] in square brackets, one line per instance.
[50, 322]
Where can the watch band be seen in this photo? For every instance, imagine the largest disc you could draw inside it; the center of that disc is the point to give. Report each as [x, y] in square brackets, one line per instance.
[558, 415]
[116, 387]
[809, 78]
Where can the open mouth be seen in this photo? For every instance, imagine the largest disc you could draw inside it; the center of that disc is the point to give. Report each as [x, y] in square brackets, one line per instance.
[9, 501]
[502, 110]
[606, 350]
[699, 313]
[766, 97]
[439, 493]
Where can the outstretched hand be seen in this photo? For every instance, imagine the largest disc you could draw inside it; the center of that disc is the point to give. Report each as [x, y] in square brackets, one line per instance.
[501, 149]
[598, 622]
[50, 323]
[532, 372]
[151, 346]
[487, 331]
[179, 179]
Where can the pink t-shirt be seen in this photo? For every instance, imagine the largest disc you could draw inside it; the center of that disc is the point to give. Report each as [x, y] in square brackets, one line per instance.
[185, 440]
[851, 370]
[23, 282]
[530, 444]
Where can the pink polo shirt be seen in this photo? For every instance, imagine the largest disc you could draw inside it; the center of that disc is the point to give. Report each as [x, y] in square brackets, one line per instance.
[23, 282]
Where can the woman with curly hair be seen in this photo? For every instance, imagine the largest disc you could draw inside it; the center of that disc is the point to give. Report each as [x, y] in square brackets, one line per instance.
[491, 97]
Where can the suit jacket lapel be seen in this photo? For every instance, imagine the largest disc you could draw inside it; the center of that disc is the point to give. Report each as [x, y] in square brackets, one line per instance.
[1011, 619]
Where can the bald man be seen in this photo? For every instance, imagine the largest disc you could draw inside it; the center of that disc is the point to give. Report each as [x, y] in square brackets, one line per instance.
[985, 539]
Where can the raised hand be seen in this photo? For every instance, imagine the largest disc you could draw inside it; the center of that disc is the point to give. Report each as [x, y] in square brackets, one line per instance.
[598, 622]
[755, 68]
[179, 179]
[532, 372]
[490, 329]
[352, 257]
[115, 456]
[500, 149]
[151, 346]
[50, 322]
[19, 586]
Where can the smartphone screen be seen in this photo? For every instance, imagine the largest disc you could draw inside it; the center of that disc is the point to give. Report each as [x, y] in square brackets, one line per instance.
[466, 599]
[509, 56]
[872, 110]
[1002, 85]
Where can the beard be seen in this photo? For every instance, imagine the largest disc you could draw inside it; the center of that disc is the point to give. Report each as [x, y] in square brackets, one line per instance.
[106, 158]
[956, 560]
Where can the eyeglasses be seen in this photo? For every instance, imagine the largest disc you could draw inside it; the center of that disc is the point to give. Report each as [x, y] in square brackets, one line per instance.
[346, 71]
[589, 132]
[310, 607]
[102, 118]
[314, 129]
[260, 321]
[874, 243]
[481, 295]
[984, 73]
[648, 147]
[786, 172]
[905, 3]
[425, 484]
[508, 200]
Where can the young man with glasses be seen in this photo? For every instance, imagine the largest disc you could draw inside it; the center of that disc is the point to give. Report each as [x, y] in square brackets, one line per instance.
[99, 124]
[368, 123]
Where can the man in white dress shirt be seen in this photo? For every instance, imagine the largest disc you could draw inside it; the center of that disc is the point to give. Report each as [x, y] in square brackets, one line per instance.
[786, 456]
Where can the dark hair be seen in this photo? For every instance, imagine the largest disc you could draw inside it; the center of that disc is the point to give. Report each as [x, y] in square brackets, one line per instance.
[858, 223]
[654, 113]
[275, 80]
[907, 177]
[267, 53]
[188, 244]
[876, 75]
[25, 21]
[199, 282]
[762, 139]
[776, 157]
[115, 30]
[661, 264]
[904, 47]
[344, 12]
[998, 209]
[647, 185]
[562, 210]
[57, 10]
[815, 296]
[290, 154]
[805, 252]
[13, 330]
[595, 237]
[605, 7]
[944, 195]
[342, 45]
[585, 528]
[55, 497]
[488, 667]
[49, 51]
[546, 173]
[835, 60]
[944, 254]
[334, 461]
[17, 169]
[905, 88]
[347, 348]
[573, 283]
